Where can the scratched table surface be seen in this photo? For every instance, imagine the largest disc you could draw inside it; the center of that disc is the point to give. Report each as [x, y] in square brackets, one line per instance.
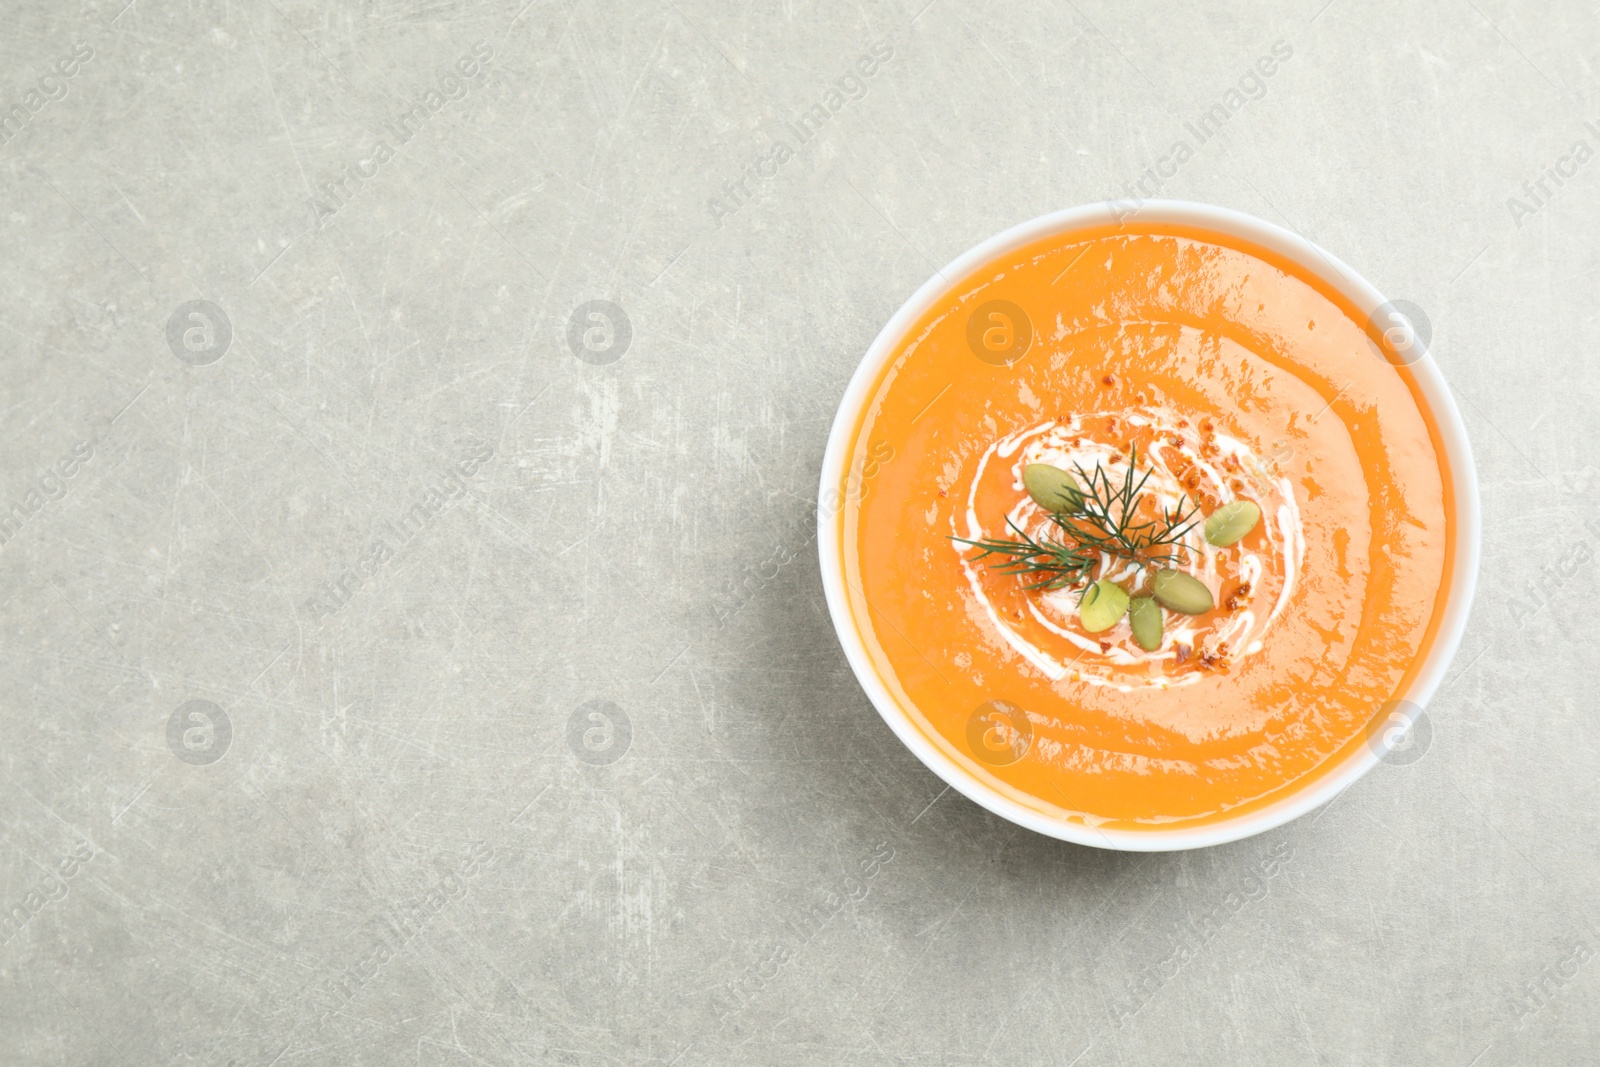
[414, 648]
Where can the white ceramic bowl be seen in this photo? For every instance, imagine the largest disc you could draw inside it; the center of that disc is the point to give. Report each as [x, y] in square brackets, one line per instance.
[1457, 457]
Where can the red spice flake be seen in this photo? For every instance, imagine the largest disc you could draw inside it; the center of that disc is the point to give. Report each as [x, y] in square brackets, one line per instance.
[1238, 597]
[1116, 457]
[1183, 653]
[1111, 424]
[943, 493]
[1183, 423]
[1105, 646]
[1207, 427]
[1108, 381]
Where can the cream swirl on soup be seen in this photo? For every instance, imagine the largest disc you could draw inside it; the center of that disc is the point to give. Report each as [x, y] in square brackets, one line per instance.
[1192, 464]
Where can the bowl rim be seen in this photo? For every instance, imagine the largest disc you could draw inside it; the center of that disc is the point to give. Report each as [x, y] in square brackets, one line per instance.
[1309, 256]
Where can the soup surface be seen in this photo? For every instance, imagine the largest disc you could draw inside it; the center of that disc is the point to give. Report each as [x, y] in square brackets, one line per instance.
[1218, 374]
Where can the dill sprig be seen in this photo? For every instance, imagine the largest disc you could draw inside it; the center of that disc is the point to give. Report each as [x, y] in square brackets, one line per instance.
[1101, 517]
[1055, 564]
[1097, 520]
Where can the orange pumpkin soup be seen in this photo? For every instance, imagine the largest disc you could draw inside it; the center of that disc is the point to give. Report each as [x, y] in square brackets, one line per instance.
[1221, 379]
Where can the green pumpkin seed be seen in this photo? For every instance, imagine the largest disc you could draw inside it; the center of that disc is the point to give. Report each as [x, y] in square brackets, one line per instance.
[1051, 487]
[1144, 615]
[1102, 605]
[1231, 521]
[1182, 592]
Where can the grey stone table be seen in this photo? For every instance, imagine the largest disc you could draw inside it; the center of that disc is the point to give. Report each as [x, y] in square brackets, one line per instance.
[407, 658]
